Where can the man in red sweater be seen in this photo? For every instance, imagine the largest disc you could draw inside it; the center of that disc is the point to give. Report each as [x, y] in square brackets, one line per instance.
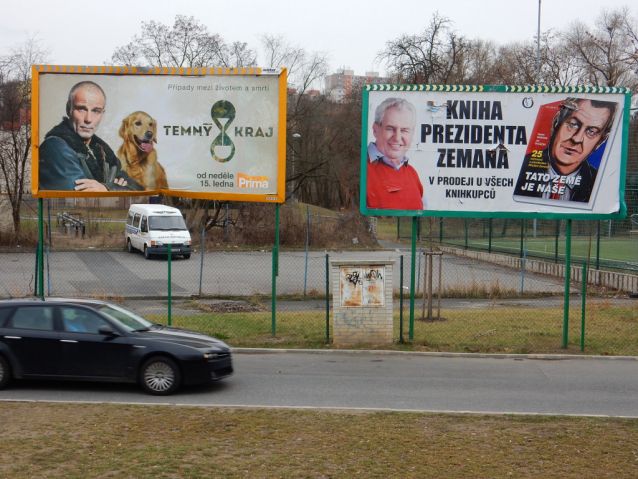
[392, 184]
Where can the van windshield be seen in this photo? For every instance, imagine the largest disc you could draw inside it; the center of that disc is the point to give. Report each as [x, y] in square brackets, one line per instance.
[166, 223]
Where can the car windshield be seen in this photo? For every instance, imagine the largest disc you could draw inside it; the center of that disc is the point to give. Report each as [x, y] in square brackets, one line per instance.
[166, 223]
[126, 318]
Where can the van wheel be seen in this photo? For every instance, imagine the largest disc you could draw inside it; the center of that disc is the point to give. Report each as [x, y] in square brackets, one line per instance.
[187, 256]
[129, 246]
[147, 255]
[5, 372]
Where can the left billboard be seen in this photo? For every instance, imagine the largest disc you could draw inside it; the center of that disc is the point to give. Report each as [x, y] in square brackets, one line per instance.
[210, 133]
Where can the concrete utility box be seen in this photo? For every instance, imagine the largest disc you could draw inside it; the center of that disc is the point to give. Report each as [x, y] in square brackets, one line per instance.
[362, 302]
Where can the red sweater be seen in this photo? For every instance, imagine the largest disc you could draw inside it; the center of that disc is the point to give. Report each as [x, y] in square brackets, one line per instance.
[390, 189]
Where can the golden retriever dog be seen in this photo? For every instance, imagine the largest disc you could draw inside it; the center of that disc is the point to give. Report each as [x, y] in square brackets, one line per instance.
[137, 154]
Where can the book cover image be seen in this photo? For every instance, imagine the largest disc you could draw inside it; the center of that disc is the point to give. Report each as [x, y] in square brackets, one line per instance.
[566, 154]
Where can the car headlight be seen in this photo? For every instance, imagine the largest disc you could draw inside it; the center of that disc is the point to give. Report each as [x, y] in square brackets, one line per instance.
[156, 243]
[210, 356]
[187, 243]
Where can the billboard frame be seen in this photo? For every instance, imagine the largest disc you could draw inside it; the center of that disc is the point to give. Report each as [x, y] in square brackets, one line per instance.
[619, 215]
[37, 70]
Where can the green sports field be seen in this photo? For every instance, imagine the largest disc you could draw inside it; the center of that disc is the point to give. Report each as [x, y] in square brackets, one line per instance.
[618, 252]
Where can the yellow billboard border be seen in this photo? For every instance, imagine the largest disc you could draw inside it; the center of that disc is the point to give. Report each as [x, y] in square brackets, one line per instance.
[282, 73]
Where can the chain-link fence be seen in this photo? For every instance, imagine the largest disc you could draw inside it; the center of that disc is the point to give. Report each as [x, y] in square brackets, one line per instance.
[487, 306]
[604, 244]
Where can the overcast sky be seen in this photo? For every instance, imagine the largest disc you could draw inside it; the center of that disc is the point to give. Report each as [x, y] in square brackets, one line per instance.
[352, 32]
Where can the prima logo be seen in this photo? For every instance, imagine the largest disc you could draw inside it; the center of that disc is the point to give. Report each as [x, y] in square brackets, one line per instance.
[246, 181]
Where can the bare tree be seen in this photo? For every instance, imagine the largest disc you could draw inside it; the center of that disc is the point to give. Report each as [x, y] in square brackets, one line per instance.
[306, 113]
[186, 44]
[430, 57]
[605, 53]
[15, 115]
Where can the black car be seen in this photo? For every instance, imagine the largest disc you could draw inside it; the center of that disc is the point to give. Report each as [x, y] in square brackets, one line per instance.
[87, 339]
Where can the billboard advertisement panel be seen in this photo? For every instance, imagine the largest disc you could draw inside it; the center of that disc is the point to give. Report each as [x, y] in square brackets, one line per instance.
[210, 133]
[475, 151]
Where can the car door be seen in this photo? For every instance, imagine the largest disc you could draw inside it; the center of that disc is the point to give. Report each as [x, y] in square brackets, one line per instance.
[86, 352]
[136, 237]
[31, 338]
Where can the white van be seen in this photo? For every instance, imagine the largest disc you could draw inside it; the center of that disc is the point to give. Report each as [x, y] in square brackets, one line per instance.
[151, 228]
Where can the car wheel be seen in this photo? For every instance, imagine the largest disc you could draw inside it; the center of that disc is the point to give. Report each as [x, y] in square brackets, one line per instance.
[147, 255]
[5, 372]
[187, 256]
[160, 376]
[129, 246]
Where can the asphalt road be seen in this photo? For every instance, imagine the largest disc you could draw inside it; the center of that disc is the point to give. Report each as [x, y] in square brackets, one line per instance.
[367, 380]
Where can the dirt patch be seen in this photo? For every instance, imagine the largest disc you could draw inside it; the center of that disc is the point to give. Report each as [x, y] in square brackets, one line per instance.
[223, 306]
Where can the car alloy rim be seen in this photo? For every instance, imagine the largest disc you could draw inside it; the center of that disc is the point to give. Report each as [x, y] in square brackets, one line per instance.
[159, 376]
[1, 371]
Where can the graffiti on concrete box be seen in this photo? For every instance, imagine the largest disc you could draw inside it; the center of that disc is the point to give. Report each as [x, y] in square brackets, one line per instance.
[362, 286]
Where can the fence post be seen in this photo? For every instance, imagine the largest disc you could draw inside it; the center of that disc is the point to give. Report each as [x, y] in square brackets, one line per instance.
[582, 320]
[466, 228]
[522, 236]
[327, 301]
[37, 269]
[412, 272]
[169, 284]
[401, 299]
[568, 265]
[556, 241]
[305, 274]
[598, 245]
[201, 262]
[489, 242]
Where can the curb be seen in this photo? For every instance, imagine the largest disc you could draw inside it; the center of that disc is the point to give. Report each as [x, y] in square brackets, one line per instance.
[548, 357]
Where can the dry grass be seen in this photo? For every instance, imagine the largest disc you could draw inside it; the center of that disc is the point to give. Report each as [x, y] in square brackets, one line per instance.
[612, 331]
[98, 440]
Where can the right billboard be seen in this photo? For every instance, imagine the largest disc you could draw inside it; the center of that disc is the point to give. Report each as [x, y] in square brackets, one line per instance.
[494, 151]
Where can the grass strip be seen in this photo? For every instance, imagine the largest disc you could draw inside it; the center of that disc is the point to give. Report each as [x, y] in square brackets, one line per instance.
[100, 440]
[609, 331]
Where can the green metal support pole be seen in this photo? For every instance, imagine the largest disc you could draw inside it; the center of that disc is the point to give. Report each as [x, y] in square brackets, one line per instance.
[275, 272]
[170, 280]
[401, 299]
[398, 227]
[40, 250]
[522, 237]
[568, 264]
[327, 300]
[582, 308]
[412, 275]
[489, 243]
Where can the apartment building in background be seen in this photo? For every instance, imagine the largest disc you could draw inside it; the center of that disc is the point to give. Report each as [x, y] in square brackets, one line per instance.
[340, 85]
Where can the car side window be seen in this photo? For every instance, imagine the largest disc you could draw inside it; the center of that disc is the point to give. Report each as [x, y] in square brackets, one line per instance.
[136, 221]
[4, 314]
[129, 218]
[33, 317]
[81, 320]
[144, 225]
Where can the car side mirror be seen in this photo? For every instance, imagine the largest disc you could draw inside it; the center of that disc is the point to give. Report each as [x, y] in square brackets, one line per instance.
[107, 330]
